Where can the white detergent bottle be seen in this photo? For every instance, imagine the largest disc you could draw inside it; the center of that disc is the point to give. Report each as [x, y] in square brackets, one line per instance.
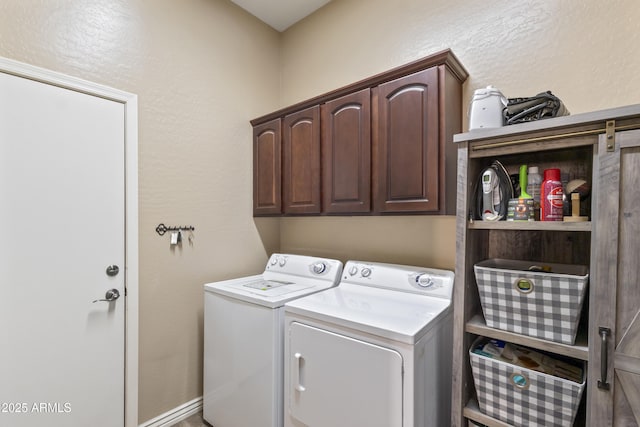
[533, 188]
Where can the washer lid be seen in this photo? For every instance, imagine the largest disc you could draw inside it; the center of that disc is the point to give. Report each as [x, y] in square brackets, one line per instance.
[400, 316]
[267, 292]
[270, 288]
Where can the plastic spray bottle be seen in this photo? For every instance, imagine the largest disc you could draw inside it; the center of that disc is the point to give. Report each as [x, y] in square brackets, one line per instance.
[551, 195]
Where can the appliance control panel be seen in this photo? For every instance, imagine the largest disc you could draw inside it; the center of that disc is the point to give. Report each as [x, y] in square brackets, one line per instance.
[304, 266]
[428, 281]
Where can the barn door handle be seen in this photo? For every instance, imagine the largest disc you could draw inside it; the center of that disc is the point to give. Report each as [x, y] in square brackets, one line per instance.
[111, 295]
[604, 356]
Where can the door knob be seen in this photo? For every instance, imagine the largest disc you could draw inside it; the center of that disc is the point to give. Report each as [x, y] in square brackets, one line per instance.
[111, 295]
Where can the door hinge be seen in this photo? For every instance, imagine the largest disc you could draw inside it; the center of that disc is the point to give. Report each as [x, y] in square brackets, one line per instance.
[611, 135]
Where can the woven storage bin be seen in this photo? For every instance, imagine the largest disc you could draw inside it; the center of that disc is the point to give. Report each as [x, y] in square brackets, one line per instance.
[542, 304]
[523, 397]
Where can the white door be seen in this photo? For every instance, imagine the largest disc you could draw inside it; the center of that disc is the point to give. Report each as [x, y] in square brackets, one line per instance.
[61, 225]
[338, 381]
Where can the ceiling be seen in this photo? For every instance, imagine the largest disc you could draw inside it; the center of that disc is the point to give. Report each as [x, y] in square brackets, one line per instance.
[280, 14]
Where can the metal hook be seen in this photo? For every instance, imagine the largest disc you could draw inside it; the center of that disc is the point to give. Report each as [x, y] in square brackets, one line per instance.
[161, 229]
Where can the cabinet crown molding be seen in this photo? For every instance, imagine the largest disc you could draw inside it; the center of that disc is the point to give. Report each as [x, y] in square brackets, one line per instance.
[445, 57]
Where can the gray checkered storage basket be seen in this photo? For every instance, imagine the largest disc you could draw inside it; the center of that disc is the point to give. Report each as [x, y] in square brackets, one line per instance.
[523, 397]
[537, 300]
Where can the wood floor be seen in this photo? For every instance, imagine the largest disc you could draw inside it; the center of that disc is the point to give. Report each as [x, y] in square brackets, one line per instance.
[193, 421]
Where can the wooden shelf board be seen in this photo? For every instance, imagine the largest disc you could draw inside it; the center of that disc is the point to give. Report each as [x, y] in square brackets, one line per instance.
[472, 412]
[580, 350]
[530, 226]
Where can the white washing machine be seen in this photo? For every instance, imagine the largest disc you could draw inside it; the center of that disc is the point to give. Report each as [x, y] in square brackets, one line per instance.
[243, 338]
[374, 351]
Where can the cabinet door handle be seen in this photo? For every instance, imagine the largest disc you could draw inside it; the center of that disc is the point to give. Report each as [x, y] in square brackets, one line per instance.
[604, 356]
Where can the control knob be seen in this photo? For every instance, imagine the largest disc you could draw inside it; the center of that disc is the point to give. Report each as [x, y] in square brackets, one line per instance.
[366, 272]
[424, 280]
[319, 267]
[283, 261]
[353, 270]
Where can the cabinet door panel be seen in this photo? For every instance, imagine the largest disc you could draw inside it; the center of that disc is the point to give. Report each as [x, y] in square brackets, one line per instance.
[346, 153]
[266, 169]
[408, 144]
[302, 162]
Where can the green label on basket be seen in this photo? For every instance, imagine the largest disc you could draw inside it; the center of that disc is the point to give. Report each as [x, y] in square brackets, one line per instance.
[524, 285]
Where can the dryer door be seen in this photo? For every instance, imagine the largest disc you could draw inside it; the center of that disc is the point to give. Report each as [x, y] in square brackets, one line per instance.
[338, 381]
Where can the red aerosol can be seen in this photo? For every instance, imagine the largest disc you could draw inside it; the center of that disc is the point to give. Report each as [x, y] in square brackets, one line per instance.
[551, 196]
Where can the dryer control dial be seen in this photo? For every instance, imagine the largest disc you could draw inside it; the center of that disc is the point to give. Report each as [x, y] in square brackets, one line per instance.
[318, 267]
[424, 280]
[366, 272]
[353, 270]
[282, 262]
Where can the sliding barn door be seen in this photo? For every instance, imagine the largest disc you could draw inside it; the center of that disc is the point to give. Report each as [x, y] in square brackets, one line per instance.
[615, 341]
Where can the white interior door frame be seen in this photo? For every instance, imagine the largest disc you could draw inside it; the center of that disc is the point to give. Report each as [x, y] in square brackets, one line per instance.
[130, 102]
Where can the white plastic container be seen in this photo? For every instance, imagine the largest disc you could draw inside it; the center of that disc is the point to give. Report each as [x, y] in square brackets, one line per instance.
[486, 108]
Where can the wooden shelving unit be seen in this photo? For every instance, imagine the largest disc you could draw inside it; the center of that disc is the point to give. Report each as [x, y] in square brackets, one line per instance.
[603, 148]
[550, 242]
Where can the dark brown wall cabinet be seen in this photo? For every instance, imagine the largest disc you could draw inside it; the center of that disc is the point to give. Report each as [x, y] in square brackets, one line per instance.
[267, 173]
[301, 161]
[407, 150]
[382, 145]
[346, 153]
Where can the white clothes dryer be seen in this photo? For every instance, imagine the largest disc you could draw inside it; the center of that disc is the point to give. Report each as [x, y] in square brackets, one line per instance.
[243, 338]
[374, 351]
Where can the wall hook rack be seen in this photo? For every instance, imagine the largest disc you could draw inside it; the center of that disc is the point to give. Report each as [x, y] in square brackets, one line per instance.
[161, 228]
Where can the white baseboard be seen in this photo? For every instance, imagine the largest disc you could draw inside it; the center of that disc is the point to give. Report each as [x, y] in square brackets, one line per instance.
[175, 415]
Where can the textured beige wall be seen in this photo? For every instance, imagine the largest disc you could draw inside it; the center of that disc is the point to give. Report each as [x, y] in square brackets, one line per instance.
[203, 68]
[193, 64]
[586, 52]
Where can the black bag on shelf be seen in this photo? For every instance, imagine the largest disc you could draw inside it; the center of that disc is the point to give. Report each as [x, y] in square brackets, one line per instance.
[542, 106]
